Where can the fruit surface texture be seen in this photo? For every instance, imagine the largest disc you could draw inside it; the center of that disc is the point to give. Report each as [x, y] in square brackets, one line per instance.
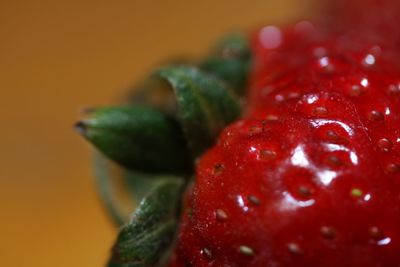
[310, 176]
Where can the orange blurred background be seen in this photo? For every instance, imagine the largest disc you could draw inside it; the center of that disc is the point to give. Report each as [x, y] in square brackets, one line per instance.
[55, 58]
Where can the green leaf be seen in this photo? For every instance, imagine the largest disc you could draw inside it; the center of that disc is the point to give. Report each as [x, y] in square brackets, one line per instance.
[121, 190]
[155, 93]
[138, 137]
[233, 45]
[230, 61]
[205, 104]
[232, 71]
[143, 241]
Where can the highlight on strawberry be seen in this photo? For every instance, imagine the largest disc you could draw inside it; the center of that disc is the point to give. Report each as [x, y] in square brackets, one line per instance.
[280, 149]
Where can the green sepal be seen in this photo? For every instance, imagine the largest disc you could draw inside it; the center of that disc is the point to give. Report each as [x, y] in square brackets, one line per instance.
[121, 190]
[230, 61]
[143, 241]
[138, 137]
[232, 45]
[155, 93]
[205, 104]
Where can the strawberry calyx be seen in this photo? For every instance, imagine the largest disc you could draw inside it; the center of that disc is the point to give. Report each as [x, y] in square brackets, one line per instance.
[154, 138]
[143, 240]
[199, 101]
[318, 146]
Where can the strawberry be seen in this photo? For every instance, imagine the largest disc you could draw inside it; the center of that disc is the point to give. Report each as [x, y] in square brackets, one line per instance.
[310, 176]
[304, 172]
[373, 19]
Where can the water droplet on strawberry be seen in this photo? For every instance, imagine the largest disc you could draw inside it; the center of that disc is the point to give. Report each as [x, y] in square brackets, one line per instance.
[326, 65]
[369, 60]
[384, 242]
[364, 82]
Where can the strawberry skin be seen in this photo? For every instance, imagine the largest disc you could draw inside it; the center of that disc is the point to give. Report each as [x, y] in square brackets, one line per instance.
[311, 175]
[374, 19]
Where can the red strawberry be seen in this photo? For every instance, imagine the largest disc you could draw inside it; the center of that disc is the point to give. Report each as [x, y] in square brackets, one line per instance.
[373, 19]
[311, 175]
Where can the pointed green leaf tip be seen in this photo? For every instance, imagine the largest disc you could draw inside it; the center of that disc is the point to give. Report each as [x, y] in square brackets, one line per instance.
[205, 104]
[138, 137]
[230, 61]
[143, 241]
